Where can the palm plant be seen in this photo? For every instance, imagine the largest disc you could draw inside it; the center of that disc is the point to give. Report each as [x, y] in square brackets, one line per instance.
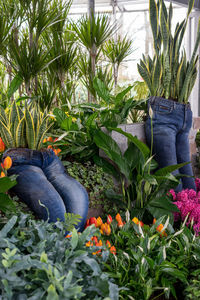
[92, 33]
[116, 52]
[169, 74]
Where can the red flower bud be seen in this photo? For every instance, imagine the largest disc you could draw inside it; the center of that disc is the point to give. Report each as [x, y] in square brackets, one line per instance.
[2, 146]
[7, 163]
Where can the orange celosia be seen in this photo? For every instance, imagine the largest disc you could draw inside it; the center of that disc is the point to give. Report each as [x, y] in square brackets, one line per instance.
[44, 141]
[2, 145]
[99, 222]
[109, 219]
[7, 163]
[3, 174]
[113, 250]
[50, 147]
[120, 224]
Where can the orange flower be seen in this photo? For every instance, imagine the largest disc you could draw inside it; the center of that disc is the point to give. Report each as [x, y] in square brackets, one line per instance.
[120, 224]
[50, 139]
[93, 220]
[57, 151]
[109, 219]
[89, 244]
[108, 244]
[136, 221]
[159, 228]
[44, 141]
[95, 253]
[99, 222]
[105, 229]
[3, 174]
[87, 223]
[113, 250]
[68, 236]
[50, 147]
[2, 145]
[95, 240]
[118, 218]
[7, 163]
[99, 243]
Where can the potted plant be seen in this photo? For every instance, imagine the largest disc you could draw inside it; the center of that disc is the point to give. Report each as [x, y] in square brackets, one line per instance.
[42, 182]
[170, 78]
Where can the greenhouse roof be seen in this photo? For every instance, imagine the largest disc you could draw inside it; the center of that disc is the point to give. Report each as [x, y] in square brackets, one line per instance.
[124, 5]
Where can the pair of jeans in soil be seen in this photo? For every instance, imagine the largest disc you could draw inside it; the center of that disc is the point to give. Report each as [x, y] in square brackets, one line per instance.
[42, 178]
[172, 122]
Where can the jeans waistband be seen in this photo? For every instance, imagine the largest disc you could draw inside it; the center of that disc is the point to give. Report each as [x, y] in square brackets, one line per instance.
[169, 102]
[30, 157]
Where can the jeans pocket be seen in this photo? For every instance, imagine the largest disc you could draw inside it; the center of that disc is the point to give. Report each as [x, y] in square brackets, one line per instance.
[163, 109]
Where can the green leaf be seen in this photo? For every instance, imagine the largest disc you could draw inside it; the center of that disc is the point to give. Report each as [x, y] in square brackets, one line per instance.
[52, 294]
[14, 85]
[141, 146]
[169, 169]
[6, 183]
[101, 90]
[6, 204]
[74, 239]
[120, 96]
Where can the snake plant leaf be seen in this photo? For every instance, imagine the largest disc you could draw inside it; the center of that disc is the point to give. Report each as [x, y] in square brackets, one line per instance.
[8, 139]
[170, 17]
[164, 30]
[19, 140]
[153, 12]
[42, 136]
[157, 74]
[30, 130]
[3, 115]
[190, 7]
[145, 75]
[189, 72]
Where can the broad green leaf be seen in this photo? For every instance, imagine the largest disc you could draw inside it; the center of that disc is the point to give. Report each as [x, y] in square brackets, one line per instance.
[6, 203]
[14, 85]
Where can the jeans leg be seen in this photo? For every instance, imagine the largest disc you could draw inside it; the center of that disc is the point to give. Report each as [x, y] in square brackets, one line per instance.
[72, 192]
[164, 145]
[32, 186]
[183, 155]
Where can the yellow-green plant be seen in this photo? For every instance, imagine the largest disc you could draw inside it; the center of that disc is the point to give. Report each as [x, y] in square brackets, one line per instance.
[169, 74]
[23, 128]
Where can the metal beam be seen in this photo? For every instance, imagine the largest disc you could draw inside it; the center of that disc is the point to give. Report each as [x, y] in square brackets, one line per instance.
[185, 3]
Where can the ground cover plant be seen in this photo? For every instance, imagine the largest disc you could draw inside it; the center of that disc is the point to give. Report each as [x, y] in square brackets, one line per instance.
[38, 262]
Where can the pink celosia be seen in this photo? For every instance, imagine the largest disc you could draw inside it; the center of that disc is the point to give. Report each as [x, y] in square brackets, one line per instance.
[188, 203]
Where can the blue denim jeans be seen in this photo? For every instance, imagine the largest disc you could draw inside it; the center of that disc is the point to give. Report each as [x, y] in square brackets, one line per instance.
[171, 125]
[42, 177]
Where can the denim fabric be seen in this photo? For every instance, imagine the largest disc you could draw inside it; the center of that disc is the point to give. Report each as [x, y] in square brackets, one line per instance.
[41, 176]
[172, 122]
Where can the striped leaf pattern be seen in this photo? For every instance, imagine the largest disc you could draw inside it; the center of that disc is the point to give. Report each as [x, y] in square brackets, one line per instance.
[169, 74]
[23, 128]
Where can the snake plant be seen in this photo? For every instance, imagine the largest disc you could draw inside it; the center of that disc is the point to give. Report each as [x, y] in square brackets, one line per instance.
[169, 74]
[23, 128]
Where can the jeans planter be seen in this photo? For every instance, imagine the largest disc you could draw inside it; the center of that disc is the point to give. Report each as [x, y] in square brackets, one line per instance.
[171, 124]
[42, 178]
